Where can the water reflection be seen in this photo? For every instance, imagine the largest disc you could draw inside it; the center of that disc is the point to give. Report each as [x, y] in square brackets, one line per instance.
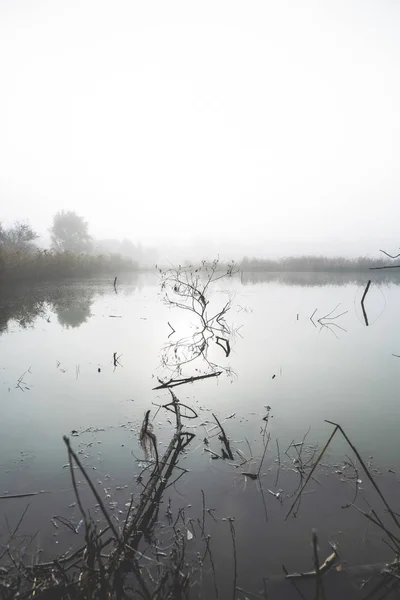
[73, 309]
[320, 278]
[23, 309]
[71, 302]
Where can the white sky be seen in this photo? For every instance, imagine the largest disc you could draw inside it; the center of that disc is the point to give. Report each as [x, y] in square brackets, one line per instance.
[267, 124]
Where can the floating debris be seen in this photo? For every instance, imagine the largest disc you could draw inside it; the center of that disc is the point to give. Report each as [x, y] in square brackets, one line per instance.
[277, 495]
[252, 476]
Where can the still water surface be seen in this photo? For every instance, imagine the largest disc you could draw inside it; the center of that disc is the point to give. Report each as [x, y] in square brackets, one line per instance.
[61, 339]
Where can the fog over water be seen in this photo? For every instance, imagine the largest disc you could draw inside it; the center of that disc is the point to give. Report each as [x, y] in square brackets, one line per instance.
[199, 299]
[262, 129]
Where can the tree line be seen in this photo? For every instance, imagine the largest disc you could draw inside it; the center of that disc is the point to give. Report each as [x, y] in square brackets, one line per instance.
[70, 233]
[312, 263]
[73, 251]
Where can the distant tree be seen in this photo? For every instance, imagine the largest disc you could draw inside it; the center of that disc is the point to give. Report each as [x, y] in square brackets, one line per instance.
[19, 235]
[70, 232]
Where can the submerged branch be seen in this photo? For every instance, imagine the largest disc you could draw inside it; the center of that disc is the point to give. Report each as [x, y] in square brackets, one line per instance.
[175, 382]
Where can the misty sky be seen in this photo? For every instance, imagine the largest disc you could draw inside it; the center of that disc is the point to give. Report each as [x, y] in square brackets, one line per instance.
[269, 125]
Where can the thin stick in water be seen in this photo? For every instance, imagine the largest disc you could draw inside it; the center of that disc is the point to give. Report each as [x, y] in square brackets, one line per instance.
[362, 303]
[233, 534]
[368, 474]
[279, 463]
[312, 470]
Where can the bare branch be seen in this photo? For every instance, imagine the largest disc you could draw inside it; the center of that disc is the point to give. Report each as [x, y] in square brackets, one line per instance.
[389, 255]
[362, 302]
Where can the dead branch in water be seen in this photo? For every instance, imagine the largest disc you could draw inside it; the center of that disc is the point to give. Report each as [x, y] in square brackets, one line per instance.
[151, 495]
[26, 495]
[225, 347]
[385, 267]
[362, 302]
[72, 455]
[319, 586]
[175, 382]
[312, 471]
[89, 572]
[116, 360]
[233, 534]
[279, 464]
[188, 288]
[173, 330]
[366, 470]
[224, 440]
[326, 322]
[311, 318]
[319, 570]
[148, 440]
[337, 428]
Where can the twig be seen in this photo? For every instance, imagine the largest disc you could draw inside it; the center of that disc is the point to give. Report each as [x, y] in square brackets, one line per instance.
[368, 474]
[5, 497]
[89, 481]
[389, 255]
[386, 267]
[175, 382]
[204, 509]
[248, 594]
[12, 535]
[227, 348]
[279, 464]
[263, 456]
[148, 439]
[232, 528]
[116, 360]
[319, 589]
[224, 439]
[292, 581]
[313, 469]
[311, 318]
[317, 572]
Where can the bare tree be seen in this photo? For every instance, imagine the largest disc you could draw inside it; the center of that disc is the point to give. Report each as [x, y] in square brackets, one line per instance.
[393, 256]
[19, 235]
[188, 288]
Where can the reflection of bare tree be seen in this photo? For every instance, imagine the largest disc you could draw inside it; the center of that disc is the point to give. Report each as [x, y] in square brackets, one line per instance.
[188, 288]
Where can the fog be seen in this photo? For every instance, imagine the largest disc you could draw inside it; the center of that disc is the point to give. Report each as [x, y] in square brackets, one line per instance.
[263, 128]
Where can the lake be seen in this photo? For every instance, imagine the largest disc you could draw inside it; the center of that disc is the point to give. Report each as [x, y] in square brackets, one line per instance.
[81, 359]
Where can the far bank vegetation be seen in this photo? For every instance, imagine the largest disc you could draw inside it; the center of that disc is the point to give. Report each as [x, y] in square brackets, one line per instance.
[73, 252]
